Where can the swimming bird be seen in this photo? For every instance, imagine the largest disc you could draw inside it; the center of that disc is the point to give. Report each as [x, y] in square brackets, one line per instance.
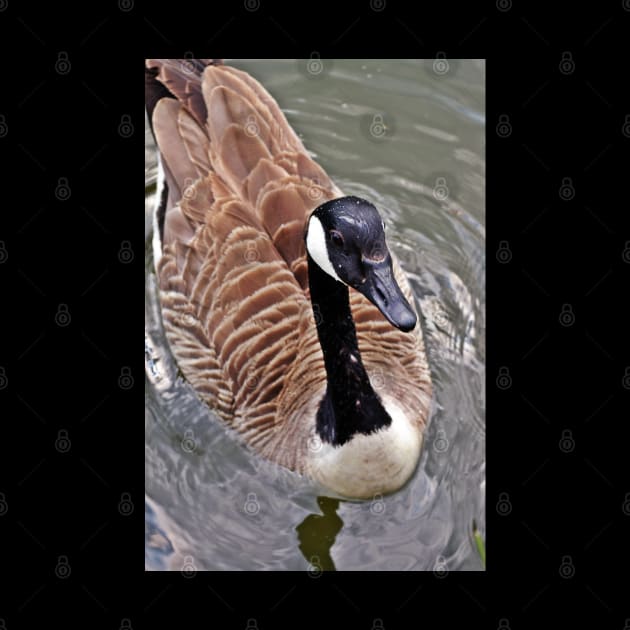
[281, 301]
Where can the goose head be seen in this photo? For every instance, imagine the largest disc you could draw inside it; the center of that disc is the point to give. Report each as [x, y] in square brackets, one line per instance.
[345, 237]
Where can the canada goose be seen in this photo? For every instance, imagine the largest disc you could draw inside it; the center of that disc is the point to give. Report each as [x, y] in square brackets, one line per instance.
[281, 302]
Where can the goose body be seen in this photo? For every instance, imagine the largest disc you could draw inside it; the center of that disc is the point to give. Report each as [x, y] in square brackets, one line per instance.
[280, 299]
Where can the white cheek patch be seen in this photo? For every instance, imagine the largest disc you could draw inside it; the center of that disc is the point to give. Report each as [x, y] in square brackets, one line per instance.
[317, 248]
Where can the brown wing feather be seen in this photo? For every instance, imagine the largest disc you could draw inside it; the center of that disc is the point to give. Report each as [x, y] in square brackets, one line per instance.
[231, 304]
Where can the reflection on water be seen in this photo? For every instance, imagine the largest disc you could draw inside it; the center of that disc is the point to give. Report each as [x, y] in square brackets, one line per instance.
[317, 534]
[411, 141]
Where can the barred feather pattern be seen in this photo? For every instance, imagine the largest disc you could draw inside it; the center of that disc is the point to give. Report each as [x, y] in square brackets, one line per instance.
[233, 272]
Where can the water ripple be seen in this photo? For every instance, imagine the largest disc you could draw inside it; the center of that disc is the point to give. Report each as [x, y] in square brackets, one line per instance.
[208, 500]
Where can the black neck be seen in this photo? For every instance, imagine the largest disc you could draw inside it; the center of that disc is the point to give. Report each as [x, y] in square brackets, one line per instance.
[350, 405]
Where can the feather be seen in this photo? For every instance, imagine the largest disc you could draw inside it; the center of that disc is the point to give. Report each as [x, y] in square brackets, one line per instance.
[233, 274]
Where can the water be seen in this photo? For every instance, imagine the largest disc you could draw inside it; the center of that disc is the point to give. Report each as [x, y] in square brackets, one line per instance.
[410, 138]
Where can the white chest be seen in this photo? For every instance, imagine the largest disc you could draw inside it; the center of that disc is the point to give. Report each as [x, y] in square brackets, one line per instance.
[367, 465]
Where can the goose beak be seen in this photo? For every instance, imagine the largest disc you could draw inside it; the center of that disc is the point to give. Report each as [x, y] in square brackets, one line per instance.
[381, 288]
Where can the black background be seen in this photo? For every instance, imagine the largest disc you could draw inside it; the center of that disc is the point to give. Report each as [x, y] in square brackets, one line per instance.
[555, 554]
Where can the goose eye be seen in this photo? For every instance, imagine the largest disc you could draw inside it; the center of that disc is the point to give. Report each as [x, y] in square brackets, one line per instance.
[336, 237]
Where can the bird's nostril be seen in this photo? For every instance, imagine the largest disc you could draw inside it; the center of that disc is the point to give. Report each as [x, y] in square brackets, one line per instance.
[382, 296]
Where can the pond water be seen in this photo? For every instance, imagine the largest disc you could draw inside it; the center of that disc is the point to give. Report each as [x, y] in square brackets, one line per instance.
[409, 136]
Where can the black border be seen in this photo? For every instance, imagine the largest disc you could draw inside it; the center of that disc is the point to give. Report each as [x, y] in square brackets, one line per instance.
[564, 251]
